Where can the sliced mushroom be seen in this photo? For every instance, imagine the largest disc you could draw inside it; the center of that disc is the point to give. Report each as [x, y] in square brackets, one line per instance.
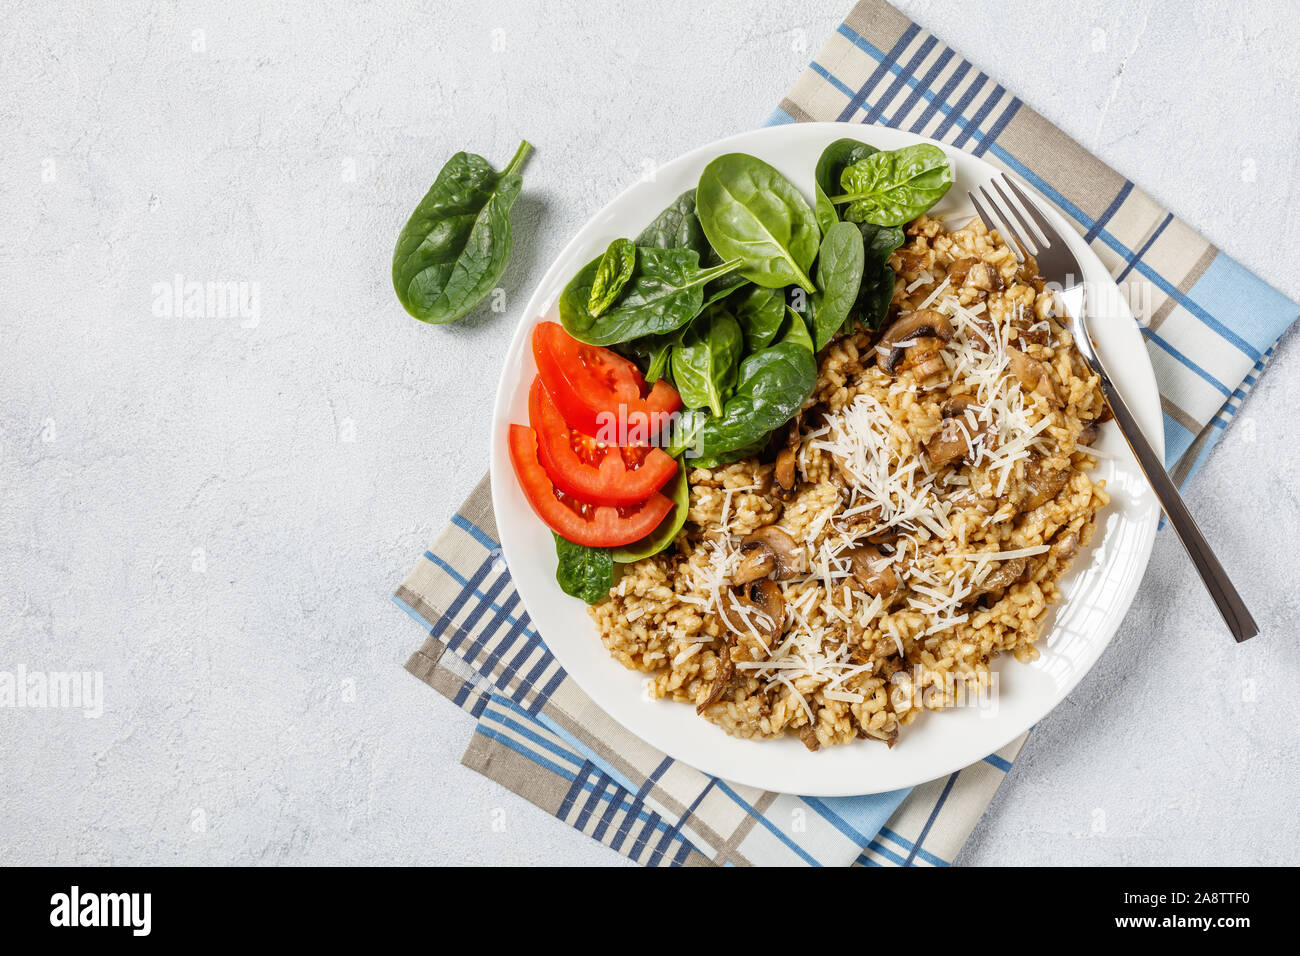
[871, 570]
[784, 471]
[959, 270]
[726, 671]
[957, 405]
[767, 551]
[858, 523]
[923, 358]
[1004, 575]
[910, 260]
[885, 536]
[984, 277]
[948, 442]
[1065, 546]
[921, 324]
[1042, 487]
[844, 471]
[887, 741]
[1031, 373]
[1090, 433]
[809, 737]
[969, 272]
[861, 525]
[1032, 333]
[955, 436]
[756, 561]
[759, 604]
[755, 609]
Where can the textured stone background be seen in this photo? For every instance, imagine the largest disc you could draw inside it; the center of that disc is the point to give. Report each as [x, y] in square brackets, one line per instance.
[213, 513]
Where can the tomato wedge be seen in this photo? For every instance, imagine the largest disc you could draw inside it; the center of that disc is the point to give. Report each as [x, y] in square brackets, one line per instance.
[580, 466]
[597, 526]
[594, 387]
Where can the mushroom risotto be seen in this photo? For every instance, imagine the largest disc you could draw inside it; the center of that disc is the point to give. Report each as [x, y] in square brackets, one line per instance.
[907, 527]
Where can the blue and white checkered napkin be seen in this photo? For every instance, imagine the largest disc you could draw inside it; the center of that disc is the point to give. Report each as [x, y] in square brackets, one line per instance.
[1210, 328]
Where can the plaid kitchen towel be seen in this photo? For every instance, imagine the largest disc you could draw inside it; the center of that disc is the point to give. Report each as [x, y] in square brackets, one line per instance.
[1210, 328]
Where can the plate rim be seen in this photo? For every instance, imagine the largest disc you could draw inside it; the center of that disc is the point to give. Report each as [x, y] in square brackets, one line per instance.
[537, 308]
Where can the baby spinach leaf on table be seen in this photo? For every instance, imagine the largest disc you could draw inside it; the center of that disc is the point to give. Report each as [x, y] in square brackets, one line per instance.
[840, 264]
[612, 273]
[665, 292]
[760, 313]
[771, 386]
[834, 159]
[678, 491]
[678, 227]
[749, 210]
[454, 248]
[705, 358]
[583, 572]
[894, 187]
[877, 288]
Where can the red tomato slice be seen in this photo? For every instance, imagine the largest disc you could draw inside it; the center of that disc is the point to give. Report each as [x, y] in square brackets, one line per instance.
[597, 526]
[580, 466]
[594, 387]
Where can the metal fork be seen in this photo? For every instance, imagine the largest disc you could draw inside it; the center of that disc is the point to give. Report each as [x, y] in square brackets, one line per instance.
[1006, 207]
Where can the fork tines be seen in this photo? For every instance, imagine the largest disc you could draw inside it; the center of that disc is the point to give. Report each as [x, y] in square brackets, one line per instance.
[1004, 206]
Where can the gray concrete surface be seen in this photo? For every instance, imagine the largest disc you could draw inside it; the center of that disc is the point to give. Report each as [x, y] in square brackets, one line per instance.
[212, 512]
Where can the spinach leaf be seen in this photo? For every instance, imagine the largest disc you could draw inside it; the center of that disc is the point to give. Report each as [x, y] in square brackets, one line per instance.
[874, 296]
[832, 163]
[796, 331]
[583, 572]
[665, 292]
[891, 188]
[705, 358]
[881, 241]
[840, 265]
[650, 353]
[715, 290]
[683, 433]
[770, 388]
[749, 210]
[454, 248]
[615, 269]
[659, 351]
[877, 288]
[678, 227]
[678, 491]
[760, 313]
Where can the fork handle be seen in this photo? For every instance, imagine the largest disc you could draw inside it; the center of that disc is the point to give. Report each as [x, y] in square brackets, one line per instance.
[1225, 596]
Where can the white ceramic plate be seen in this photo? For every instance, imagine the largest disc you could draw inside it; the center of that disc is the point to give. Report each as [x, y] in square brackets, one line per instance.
[1097, 591]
